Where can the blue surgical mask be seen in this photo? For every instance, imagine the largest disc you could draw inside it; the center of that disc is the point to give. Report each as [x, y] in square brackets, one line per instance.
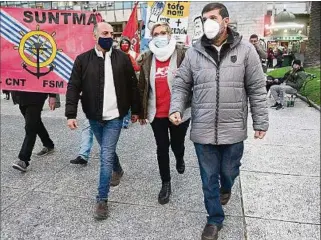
[105, 43]
[161, 41]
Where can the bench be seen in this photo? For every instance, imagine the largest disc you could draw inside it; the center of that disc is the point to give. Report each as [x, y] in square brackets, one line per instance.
[290, 98]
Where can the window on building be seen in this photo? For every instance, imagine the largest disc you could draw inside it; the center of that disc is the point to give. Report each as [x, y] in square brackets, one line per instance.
[118, 5]
[128, 5]
[54, 5]
[118, 27]
[142, 4]
[11, 4]
[47, 5]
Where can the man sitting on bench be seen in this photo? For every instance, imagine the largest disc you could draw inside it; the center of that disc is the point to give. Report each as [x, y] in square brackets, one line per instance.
[293, 80]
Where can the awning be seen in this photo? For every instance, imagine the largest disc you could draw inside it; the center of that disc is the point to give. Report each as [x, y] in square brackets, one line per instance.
[299, 37]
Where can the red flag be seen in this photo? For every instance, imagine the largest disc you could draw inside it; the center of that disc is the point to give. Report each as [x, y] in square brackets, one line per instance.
[131, 30]
[99, 18]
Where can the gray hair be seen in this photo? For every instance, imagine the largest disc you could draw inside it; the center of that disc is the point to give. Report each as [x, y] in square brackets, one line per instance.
[161, 24]
[95, 30]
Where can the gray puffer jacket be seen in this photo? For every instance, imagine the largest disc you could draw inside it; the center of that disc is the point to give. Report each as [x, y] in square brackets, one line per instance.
[221, 84]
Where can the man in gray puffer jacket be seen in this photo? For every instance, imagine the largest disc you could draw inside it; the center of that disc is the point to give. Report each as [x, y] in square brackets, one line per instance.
[220, 73]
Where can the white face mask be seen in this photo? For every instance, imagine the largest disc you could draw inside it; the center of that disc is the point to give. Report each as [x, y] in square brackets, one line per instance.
[211, 28]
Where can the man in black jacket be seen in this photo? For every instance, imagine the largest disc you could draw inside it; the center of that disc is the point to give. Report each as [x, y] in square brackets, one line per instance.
[31, 104]
[105, 81]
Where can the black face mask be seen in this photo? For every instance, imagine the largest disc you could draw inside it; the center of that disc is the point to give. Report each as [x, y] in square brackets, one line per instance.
[105, 43]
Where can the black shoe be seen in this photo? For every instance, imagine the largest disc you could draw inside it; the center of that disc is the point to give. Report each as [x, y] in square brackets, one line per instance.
[45, 151]
[21, 166]
[210, 232]
[180, 166]
[79, 160]
[280, 106]
[164, 193]
[275, 105]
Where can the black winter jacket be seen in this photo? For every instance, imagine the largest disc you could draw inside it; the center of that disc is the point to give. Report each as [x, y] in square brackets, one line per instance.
[87, 83]
[30, 98]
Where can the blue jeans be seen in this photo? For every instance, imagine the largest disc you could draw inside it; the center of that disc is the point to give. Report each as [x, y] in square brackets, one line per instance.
[127, 119]
[87, 137]
[107, 135]
[219, 166]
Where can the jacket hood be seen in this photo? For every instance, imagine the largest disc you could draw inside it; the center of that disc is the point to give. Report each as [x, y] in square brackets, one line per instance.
[125, 39]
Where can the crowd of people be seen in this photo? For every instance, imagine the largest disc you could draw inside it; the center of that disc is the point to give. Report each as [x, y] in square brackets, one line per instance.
[207, 87]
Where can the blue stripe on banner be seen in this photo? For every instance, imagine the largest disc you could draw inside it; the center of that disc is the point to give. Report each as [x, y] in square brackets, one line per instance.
[15, 42]
[28, 51]
[66, 73]
[60, 56]
[23, 28]
[34, 39]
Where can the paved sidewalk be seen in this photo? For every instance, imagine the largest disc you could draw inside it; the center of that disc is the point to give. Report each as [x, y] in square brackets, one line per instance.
[276, 197]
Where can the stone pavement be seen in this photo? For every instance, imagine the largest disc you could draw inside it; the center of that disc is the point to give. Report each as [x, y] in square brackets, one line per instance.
[276, 197]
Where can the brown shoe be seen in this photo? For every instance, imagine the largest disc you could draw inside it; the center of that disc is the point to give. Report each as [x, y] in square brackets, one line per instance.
[115, 178]
[210, 232]
[225, 197]
[101, 211]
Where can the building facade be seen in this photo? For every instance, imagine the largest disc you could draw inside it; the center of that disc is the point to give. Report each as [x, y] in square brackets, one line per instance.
[116, 13]
[249, 17]
[246, 17]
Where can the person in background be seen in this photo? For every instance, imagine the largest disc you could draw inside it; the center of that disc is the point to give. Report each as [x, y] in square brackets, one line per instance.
[254, 39]
[221, 72]
[293, 81]
[7, 93]
[279, 58]
[58, 103]
[125, 46]
[158, 68]
[270, 57]
[31, 105]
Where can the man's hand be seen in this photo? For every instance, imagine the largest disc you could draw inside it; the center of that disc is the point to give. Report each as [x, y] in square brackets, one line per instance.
[259, 134]
[142, 121]
[134, 118]
[72, 124]
[52, 103]
[175, 118]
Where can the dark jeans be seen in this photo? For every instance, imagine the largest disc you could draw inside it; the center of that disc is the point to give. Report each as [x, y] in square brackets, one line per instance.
[160, 128]
[33, 127]
[219, 166]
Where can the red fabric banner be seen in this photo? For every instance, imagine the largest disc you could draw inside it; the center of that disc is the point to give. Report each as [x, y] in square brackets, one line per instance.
[38, 47]
[131, 30]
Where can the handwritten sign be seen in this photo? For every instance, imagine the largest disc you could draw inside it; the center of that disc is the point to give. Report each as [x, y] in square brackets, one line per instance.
[174, 13]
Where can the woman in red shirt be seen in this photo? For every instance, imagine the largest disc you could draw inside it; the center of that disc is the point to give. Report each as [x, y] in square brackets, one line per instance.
[158, 69]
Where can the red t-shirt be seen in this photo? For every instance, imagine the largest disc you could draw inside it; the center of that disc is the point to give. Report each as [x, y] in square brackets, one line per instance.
[163, 94]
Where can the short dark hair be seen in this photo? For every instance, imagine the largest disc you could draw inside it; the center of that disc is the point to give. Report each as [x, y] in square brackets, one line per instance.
[254, 36]
[296, 61]
[212, 6]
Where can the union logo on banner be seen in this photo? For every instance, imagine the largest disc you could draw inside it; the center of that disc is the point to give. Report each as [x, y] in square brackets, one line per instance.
[38, 47]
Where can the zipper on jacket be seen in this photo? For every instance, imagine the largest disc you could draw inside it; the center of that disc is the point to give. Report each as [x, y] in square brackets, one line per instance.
[217, 99]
